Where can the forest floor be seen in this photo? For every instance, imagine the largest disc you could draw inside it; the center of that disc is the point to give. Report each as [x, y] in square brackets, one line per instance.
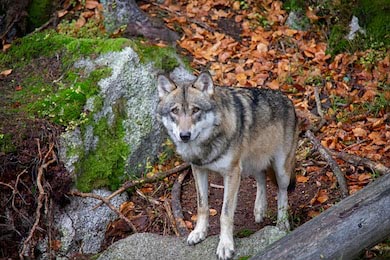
[345, 98]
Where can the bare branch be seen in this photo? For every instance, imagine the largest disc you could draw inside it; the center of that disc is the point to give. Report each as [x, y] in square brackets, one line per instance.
[332, 163]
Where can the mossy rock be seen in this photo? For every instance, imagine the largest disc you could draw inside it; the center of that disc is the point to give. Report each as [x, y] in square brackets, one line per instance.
[104, 95]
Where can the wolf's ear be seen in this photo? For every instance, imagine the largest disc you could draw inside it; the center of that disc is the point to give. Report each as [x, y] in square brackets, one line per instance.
[204, 83]
[164, 85]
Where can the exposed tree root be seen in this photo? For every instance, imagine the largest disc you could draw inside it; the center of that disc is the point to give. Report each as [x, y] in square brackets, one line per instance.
[27, 249]
[332, 163]
[357, 160]
[107, 202]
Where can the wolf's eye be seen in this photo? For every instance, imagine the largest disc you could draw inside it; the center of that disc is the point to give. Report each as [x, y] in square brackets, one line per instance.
[175, 110]
[195, 110]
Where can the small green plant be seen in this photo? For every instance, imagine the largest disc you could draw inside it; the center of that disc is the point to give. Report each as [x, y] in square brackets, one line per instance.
[244, 5]
[381, 103]
[371, 58]
[244, 233]
[6, 145]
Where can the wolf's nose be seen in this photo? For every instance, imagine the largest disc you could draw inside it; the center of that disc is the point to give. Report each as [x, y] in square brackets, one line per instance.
[185, 136]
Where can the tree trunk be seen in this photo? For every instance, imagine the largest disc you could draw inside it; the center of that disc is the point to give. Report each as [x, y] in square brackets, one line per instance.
[341, 232]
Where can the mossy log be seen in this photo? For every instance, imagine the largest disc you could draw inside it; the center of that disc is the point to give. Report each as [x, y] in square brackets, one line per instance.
[341, 232]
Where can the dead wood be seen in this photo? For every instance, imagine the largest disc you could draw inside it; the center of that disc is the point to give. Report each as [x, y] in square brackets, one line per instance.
[332, 163]
[107, 202]
[42, 196]
[171, 218]
[139, 182]
[342, 231]
[176, 206]
[357, 160]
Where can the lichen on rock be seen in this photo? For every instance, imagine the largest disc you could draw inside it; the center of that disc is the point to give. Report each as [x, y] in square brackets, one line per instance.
[123, 132]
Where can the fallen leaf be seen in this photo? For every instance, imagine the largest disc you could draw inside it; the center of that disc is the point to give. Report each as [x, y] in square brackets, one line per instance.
[6, 46]
[61, 13]
[313, 213]
[194, 217]
[188, 224]
[311, 15]
[302, 179]
[213, 212]
[364, 177]
[5, 73]
[359, 132]
[91, 4]
[80, 22]
[18, 88]
[322, 196]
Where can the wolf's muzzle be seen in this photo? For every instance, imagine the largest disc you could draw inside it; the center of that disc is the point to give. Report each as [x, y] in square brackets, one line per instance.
[185, 136]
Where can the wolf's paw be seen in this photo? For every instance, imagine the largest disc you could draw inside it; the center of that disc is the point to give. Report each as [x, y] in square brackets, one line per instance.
[195, 237]
[283, 225]
[225, 249]
[259, 215]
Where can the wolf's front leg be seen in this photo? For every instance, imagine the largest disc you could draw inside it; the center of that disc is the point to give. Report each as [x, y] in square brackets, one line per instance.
[225, 248]
[202, 222]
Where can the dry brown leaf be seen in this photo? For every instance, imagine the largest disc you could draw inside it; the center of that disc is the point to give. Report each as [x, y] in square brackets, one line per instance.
[90, 4]
[5, 73]
[359, 132]
[80, 22]
[188, 224]
[194, 218]
[364, 177]
[313, 213]
[322, 196]
[310, 13]
[273, 84]
[61, 13]
[88, 14]
[6, 46]
[213, 212]
[302, 179]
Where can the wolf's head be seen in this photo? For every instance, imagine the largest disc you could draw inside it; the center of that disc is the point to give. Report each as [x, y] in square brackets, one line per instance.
[187, 112]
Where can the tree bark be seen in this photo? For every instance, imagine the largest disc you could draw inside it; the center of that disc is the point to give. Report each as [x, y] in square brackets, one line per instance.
[341, 232]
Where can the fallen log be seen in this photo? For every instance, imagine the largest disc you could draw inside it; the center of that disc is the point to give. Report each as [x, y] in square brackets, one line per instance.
[358, 222]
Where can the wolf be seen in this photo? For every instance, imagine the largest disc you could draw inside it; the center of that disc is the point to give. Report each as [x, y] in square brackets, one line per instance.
[231, 131]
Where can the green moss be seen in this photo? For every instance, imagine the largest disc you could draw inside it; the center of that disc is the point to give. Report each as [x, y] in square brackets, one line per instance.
[51, 43]
[6, 145]
[244, 233]
[164, 58]
[65, 107]
[105, 165]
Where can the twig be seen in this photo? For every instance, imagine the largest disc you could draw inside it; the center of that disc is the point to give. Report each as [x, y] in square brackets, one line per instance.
[176, 206]
[357, 160]
[216, 186]
[168, 209]
[156, 177]
[318, 102]
[107, 202]
[332, 163]
[319, 110]
[41, 195]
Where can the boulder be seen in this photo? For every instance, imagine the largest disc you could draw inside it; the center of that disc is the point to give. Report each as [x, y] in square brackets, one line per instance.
[145, 246]
[80, 227]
